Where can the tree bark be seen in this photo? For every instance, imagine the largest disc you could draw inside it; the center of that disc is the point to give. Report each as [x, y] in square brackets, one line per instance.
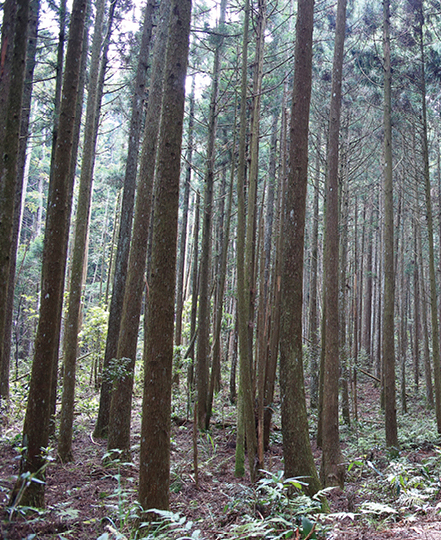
[222, 272]
[121, 402]
[203, 346]
[389, 275]
[36, 424]
[12, 74]
[313, 326]
[154, 470]
[296, 445]
[332, 471]
[429, 217]
[34, 8]
[126, 219]
[79, 255]
[183, 237]
[194, 291]
[245, 414]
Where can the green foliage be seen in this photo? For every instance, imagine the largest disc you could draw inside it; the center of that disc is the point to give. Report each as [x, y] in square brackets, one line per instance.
[281, 510]
[169, 525]
[94, 331]
[26, 479]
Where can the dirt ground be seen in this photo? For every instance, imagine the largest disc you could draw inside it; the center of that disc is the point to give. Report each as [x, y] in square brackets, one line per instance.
[86, 499]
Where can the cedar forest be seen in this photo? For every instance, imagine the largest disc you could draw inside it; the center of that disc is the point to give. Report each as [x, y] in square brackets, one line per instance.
[220, 255]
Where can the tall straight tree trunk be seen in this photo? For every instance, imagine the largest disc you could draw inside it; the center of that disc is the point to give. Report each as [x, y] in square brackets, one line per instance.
[125, 225]
[296, 445]
[429, 217]
[36, 424]
[416, 308]
[276, 292]
[344, 347]
[264, 316]
[368, 287]
[183, 237]
[222, 273]
[389, 274]
[154, 470]
[313, 326]
[121, 403]
[380, 300]
[332, 472]
[355, 307]
[203, 343]
[403, 319]
[62, 15]
[427, 366]
[79, 255]
[11, 86]
[194, 291]
[21, 165]
[245, 411]
[251, 253]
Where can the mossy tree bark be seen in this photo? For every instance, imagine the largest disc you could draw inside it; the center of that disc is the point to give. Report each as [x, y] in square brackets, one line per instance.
[183, 236]
[203, 342]
[429, 217]
[276, 292]
[389, 276]
[332, 471]
[154, 470]
[36, 424]
[313, 325]
[97, 72]
[194, 291]
[12, 73]
[121, 402]
[222, 273]
[297, 452]
[125, 225]
[245, 415]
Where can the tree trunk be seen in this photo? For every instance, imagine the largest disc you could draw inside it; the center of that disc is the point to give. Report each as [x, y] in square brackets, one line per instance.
[427, 366]
[36, 424]
[343, 281]
[203, 345]
[250, 241]
[121, 403]
[389, 275]
[154, 470]
[183, 237]
[194, 292]
[332, 472]
[276, 292]
[12, 74]
[429, 217]
[55, 130]
[79, 256]
[313, 326]
[245, 411]
[125, 226]
[222, 272]
[296, 445]
[19, 197]
[403, 321]
[368, 287]
[416, 308]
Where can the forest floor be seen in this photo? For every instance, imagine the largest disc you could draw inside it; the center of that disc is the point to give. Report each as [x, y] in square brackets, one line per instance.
[385, 497]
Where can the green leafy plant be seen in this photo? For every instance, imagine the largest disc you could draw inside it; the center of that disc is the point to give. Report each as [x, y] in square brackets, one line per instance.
[124, 509]
[169, 525]
[27, 478]
[281, 510]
